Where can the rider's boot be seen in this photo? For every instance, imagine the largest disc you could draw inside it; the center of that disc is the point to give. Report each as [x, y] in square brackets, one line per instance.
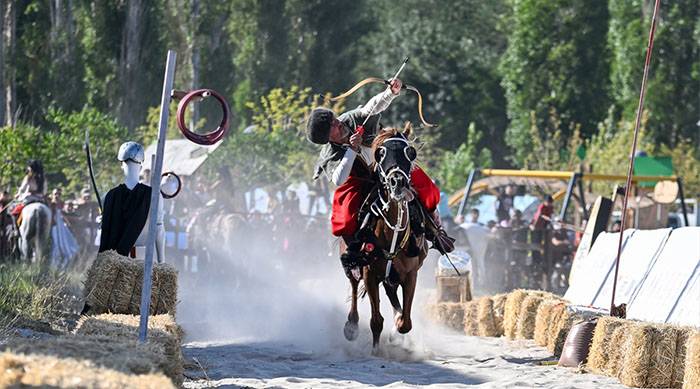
[352, 258]
[437, 235]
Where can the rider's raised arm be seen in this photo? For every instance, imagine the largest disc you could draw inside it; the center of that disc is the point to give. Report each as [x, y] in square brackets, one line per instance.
[342, 171]
[378, 103]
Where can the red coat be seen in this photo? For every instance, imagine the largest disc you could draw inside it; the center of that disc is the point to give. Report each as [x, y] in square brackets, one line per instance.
[348, 198]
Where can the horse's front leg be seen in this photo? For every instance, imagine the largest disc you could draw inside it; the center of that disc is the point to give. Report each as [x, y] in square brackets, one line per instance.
[351, 329]
[408, 287]
[376, 322]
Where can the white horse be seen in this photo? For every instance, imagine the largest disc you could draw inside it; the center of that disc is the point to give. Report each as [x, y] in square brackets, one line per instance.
[34, 232]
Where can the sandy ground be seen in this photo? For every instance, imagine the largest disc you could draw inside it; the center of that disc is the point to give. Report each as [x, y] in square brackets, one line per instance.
[278, 323]
[445, 360]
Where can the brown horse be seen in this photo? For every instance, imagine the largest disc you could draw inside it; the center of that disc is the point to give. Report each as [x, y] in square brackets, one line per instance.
[398, 251]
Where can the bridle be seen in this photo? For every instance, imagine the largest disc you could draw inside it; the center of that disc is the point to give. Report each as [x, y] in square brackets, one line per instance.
[380, 207]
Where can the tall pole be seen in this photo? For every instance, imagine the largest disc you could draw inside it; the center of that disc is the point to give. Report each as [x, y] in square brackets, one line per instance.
[630, 169]
[155, 194]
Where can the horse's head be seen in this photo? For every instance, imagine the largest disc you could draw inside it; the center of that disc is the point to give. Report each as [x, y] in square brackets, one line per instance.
[394, 156]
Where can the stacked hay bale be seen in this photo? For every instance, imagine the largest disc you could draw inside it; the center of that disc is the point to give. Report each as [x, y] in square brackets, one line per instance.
[489, 315]
[684, 336]
[527, 316]
[511, 312]
[563, 317]
[127, 357]
[162, 332]
[514, 307]
[449, 314]
[691, 378]
[471, 317]
[599, 354]
[617, 347]
[114, 284]
[649, 356]
[544, 319]
[19, 370]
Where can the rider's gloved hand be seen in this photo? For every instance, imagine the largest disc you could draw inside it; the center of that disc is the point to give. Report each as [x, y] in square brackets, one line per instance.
[395, 85]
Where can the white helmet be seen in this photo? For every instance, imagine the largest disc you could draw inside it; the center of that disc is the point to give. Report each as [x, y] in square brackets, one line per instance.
[130, 151]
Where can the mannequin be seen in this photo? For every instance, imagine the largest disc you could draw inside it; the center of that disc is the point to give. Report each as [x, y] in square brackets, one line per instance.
[160, 230]
[126, 207]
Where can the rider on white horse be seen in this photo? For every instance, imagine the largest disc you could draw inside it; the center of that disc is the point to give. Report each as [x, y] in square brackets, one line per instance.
[33, 187]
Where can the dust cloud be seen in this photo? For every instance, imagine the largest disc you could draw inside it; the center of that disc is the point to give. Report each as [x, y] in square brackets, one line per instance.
[281, 282]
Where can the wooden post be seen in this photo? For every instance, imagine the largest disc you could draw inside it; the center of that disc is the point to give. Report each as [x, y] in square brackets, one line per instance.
[155, 194]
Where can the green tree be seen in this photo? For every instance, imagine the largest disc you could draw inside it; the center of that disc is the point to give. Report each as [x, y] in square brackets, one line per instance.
[556, 59]
[673, 92]
[274, 149]
[455, 165]
[454, 48]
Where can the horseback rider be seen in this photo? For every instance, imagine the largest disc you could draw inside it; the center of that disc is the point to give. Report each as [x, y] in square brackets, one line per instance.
[33, 187]
[346, 159]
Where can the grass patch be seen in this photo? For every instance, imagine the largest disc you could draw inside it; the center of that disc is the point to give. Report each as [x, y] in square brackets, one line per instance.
[30, 292]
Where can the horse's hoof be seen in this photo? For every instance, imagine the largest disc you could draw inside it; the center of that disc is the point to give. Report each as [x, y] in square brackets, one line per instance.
[351, 330]
[403, 326]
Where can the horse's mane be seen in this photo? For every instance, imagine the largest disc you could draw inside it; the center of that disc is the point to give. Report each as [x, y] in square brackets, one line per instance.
[391, 132]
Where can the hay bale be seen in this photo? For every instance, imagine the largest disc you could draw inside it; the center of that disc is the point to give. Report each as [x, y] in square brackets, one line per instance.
[649, 356]
[527, 316]
[485, 316]
[450, 315]
[162, 331]
[543, 320]
[617, 348]
[19, 370]
[114, 284]
[555, 315]
[128, 356]
[691, 377]
[471, 318]
[559, 331]
[499, 308]
[684, 334]
[511, 312]
[599, 354]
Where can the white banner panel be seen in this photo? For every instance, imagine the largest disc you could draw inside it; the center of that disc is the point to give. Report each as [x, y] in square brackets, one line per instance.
[640, 253]
[589, 273]
[670, 291]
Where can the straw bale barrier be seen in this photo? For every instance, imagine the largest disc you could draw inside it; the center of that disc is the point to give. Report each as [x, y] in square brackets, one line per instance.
[19, 370]
[449, 314]
[126, 356]
[684, 335]
[561, 325]
[691, 378]
[527, 316]
[599, 354]
[471, 317]
[486, 318]
[114, 284]
[649, 356]
[544, 320]
[162, 331]
[618, 348]
[511, 312]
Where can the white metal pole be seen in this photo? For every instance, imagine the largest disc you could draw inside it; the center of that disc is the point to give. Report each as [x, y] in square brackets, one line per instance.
[155, 193]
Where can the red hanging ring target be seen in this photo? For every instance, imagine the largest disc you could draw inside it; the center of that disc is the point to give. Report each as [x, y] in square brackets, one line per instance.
[209, 138]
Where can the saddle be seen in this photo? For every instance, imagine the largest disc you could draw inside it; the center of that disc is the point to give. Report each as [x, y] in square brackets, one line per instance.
[420, 220]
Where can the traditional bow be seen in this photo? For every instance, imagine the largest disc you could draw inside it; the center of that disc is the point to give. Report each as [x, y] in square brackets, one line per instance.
[91, 172]
[378, 80]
